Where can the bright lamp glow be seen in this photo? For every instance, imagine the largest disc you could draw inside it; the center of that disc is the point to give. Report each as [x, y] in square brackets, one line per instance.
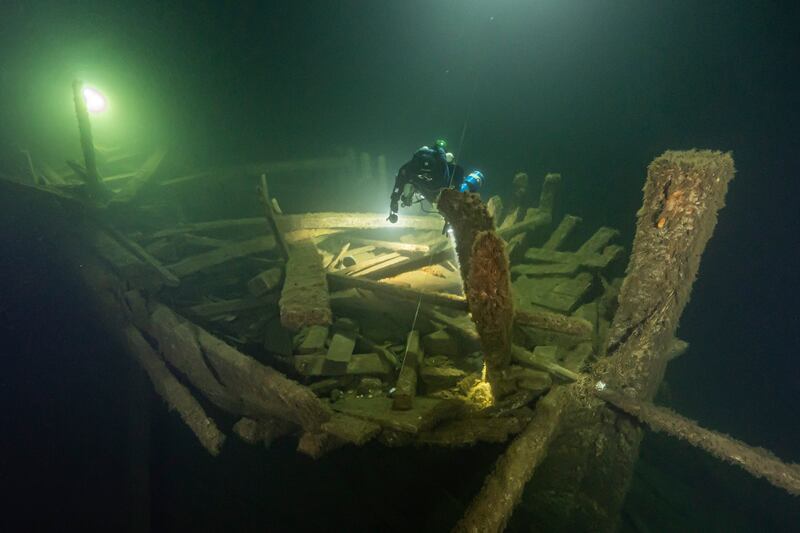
[95, 101]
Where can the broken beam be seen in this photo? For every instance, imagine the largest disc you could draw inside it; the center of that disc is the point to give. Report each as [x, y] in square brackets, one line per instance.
[357, 221]
[195, 263]
[338, 281]
[304, 299]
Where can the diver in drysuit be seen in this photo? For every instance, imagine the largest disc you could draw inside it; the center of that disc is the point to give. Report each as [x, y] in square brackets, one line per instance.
[430, 170]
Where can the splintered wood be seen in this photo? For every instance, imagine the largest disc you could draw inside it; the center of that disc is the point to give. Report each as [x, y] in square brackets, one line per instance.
[566, 296]
[305, 300]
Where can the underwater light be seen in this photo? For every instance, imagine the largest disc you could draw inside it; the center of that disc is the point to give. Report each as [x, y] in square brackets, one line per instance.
[95, 101]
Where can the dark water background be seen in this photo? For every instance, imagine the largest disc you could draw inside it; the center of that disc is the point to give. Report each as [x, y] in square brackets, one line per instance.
[594, 90]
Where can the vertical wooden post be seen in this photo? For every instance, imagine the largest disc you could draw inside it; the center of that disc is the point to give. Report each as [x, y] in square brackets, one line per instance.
[87, 145]
[583, 482]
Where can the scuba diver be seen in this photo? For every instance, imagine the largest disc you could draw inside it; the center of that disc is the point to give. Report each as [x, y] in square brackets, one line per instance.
[430, 170]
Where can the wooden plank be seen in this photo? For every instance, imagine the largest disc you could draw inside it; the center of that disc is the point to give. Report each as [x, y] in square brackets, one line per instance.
[598, 241]
[437, 378]
[578, 356]
[169, 279]
[359, 364]
[562, 232]
[304, 299]
[611, 253]
[547, 269]
[440, 342]
[45, 193]
[494, 206]
[214, 225]
[438, 252]
[466, 432]
[265, 282]
[360, 251]
[424, 415]
[272, 219]
[315, 235]
[593, 260]
[363, 265]
[575, 287]
[53, 177]
[131, 189]
[213, 309]
[203, 241]
[124, 263]
[549, 194]
[173, 392]
[509, 219]
[351, 429]
[524, 357]
[338, 257]
[406, 387]
[567, 325]
[314, 342]
[391, 245]
[211, 258]
[337, 282]
[540, 219]
[336, 220]
[502, 489]
[558, 294]
[385, 352]
[341, 348]
[462, 324]
[377, 271]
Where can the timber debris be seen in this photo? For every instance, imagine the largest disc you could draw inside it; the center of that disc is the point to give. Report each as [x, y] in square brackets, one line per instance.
[337, 328]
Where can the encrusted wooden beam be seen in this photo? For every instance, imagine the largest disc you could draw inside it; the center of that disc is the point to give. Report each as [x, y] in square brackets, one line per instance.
[502, 490]
[756, 461]
[305, 300]
[683, 192]
[174, 393]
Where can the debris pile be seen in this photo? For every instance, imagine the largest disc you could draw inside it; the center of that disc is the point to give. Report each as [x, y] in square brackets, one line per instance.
[341, 327]
[372, 317]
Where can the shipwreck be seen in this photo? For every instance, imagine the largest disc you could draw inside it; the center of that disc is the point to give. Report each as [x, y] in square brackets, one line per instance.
[338, 328]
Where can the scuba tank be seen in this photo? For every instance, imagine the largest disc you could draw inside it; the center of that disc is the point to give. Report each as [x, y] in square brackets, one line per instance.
[473, 182]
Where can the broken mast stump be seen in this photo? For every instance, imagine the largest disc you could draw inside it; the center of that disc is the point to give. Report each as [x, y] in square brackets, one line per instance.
[467, 216]
[491, 304]
[682, 194]
[89, 172]
[487, 281]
